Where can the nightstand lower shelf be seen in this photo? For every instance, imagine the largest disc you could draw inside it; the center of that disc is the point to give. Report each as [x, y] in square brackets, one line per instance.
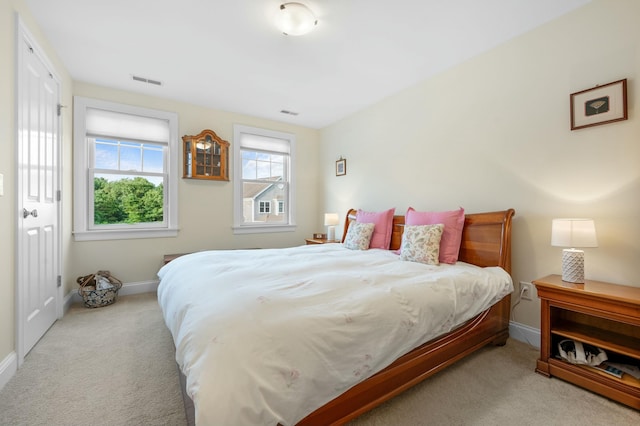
[595, 313]
[620, 390]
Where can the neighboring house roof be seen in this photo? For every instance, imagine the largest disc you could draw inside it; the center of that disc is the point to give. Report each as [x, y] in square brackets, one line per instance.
[254, 189]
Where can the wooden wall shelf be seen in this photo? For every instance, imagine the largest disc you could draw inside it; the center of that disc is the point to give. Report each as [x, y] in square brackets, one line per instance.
[205, 156]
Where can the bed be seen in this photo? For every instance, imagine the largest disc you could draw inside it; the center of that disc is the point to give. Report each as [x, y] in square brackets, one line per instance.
[271, 366]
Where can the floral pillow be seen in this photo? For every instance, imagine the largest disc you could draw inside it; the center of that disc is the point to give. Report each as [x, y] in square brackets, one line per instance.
[453, 222]
[359, 236]
[421, 243]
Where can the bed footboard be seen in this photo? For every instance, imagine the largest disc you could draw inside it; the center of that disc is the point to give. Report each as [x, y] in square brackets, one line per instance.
[489, 327]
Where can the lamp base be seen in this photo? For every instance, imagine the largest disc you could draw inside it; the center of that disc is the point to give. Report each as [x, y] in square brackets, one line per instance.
[331, 233]
[573, 266]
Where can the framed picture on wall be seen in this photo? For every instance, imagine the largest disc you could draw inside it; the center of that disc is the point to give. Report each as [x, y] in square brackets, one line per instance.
[341, 167]
[599, 105]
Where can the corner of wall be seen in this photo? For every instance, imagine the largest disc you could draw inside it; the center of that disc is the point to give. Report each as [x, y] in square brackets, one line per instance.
[8, 368]
[525, 334]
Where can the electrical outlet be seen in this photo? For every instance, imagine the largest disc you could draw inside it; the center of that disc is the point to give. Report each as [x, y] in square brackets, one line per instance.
[526, 290]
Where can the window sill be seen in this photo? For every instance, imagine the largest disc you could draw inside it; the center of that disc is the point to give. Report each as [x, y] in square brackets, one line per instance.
[124, 235]
[261, 229]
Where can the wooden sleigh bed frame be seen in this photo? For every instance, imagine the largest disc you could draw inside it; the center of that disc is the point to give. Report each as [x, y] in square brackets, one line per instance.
[486, 241]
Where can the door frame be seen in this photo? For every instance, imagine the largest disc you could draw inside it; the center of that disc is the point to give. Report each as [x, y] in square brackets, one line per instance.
[23, 34]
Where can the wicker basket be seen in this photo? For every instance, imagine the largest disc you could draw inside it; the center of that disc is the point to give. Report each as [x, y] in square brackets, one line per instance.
[94, 297]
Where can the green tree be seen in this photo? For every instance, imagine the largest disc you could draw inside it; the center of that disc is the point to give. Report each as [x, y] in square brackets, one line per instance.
[134, 192]
[153, 202]
[127, 201]
[108, 202]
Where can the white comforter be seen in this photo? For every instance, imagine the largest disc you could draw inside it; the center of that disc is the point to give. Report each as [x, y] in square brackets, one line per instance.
[268, 336]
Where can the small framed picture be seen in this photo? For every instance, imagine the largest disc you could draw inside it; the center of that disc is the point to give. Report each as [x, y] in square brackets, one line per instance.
[319, 236]
[599, 105]
[341, 167]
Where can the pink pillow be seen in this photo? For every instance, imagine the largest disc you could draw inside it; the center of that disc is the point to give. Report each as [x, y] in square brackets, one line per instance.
[383, 222]
[453, 222]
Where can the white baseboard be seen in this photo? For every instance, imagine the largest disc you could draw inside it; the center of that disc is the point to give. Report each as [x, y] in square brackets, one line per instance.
[525, 334]
[8, 368]
[139, 287]
[68, 301]
[127, 288]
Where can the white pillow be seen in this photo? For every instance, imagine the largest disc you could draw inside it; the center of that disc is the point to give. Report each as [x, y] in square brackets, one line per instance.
[421, 243]
[359, 236]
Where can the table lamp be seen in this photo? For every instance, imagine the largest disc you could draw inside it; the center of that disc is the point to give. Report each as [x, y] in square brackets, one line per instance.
[573, 233]
[330, 221]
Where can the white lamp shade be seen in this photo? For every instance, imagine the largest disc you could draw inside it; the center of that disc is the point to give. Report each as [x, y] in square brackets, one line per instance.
[573, 233]
[331, 219]
[296, 19]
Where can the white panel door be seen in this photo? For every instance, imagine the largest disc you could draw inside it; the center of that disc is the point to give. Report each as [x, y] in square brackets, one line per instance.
[38, 184]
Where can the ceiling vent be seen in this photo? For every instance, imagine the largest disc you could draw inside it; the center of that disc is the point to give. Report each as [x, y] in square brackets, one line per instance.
[146, 80]
[284, 111]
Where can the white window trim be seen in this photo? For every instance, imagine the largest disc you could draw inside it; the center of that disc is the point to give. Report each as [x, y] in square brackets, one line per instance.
[81, 208]
[238, 226]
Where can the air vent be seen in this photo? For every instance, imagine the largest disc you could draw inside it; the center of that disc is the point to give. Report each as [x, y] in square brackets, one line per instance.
[284, 111]
[146, 80]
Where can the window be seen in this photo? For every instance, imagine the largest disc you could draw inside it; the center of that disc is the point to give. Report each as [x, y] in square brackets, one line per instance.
[263, 180]
[125, 171]
[265, 207]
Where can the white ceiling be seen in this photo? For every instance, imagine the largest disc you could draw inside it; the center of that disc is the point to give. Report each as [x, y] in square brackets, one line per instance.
[227, 54]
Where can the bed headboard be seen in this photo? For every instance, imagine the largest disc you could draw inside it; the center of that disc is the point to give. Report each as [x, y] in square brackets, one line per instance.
[486, 237]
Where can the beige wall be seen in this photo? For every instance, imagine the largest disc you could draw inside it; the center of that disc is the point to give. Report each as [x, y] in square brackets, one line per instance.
[206, 211]
[494, 133]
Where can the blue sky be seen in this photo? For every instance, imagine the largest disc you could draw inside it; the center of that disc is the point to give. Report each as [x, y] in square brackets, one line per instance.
[128, 156]
[260, 165]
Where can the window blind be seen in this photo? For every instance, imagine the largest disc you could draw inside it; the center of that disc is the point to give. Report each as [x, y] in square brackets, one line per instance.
[264, 143]
[110, 124]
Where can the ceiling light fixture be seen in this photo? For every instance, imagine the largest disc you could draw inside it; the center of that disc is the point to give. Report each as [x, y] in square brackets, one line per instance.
[296, 19]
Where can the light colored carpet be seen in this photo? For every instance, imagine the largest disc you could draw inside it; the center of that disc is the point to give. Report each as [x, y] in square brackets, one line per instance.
[115, 366]
[105, 366]
[498, 386]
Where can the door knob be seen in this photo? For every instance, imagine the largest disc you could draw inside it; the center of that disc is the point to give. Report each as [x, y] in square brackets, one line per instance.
[26, 213]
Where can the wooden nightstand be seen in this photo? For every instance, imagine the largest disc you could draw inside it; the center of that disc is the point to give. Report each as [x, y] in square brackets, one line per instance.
[169, 257]
[320, 241]
[597, 313]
